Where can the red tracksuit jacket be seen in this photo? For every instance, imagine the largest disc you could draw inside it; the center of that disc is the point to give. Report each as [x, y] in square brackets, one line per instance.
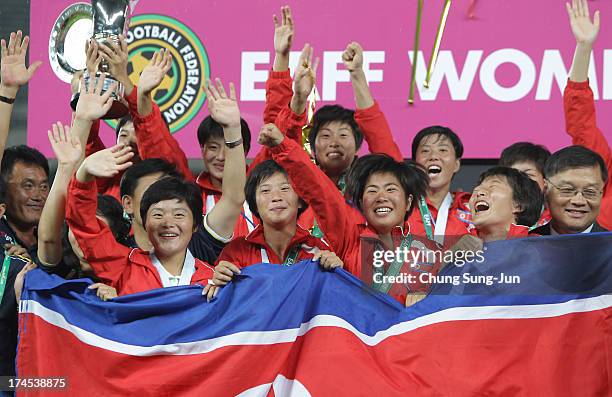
[459, 218]
[129, 270]
[252, 249]
[581, 125]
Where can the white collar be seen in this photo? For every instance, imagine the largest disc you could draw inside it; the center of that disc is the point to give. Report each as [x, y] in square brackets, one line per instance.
[553, 232]
[167, 279]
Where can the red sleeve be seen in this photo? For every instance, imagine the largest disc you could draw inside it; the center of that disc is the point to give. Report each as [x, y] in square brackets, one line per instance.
[314, 187]
[279, 91]
[106, 256]
[94, 143]
[154, 140]
[291, 123]
[233, 253]
[376, 131]
[580, 122]
[263, 155]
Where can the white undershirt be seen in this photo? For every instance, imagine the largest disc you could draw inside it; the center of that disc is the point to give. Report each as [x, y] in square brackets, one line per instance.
[167, 279]
[553, 232]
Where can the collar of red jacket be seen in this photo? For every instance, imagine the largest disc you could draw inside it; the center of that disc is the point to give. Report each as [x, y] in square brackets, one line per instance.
[460, 200]
[203, 271]
[515, 231]
[257, 236]
[205, 182]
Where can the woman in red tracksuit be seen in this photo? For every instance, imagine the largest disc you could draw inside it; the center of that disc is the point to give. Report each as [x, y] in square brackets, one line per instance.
[170, 210]
[383, 189]
[278, 238]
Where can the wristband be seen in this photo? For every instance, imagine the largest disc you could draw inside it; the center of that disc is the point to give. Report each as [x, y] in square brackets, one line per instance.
[4, 99]
[234, 143]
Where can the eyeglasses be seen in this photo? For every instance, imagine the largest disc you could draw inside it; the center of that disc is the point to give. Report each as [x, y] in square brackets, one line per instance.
[570, 191]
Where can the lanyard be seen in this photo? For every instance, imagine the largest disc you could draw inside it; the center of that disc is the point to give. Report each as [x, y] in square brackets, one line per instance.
[4, 275]
[540, 221]
[342, 183]
[439, 225]
[394, 268]
[291, 256]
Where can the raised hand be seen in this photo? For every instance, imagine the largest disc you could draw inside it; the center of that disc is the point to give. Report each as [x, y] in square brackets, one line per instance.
[154, 72]
[305, 74]
[67, 148]
[584, 30]
[283, 32]
[270, 135]
[116, 56]
[92, 56]
[106, 163]
[353, 57]
[223, 109]
[94, 104]
[13, 70]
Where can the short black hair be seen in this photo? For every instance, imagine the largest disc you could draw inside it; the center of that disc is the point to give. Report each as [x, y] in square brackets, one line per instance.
[412, 177]
[525, 193]
[170, 188]
[209, 128]
[109, 208]
[121, 123]
[330, 113]
[525, 152]
[22, 154]
[2, 191]
[574, 157]
[130, 178]
[260, 173]
[441, 132]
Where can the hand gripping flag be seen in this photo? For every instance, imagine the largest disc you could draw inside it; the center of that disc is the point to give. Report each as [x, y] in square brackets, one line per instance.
[302, 331]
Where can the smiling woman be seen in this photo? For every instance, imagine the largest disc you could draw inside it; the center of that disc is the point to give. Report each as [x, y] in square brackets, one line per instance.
[506, 203]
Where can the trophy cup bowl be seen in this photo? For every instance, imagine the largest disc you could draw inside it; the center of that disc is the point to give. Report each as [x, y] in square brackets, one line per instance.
[110, 19]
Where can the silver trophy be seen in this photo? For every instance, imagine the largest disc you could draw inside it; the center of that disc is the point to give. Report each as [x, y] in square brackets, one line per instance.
[110, 19]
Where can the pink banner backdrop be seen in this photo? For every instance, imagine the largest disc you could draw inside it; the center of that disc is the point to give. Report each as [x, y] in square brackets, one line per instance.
[498, 80]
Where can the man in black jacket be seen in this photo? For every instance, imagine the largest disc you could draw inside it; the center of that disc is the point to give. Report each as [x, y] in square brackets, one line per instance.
[575, 180]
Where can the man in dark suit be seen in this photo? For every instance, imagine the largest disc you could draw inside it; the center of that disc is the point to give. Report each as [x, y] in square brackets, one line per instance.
[575, 180]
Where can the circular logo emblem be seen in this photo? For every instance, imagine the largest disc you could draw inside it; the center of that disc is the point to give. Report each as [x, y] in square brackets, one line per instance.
[180, 95]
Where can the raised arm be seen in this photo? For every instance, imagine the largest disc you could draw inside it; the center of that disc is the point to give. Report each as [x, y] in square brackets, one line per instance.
[224, 110]
[153, 138]
[13, 75]
[578, 101]
[278, 85]
[93, 104]
[68, 153]
[314, 187]
[100, 249]
[585, 31]
[368, 115]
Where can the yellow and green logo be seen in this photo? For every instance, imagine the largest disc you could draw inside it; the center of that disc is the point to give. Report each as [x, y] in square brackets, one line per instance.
[180, 95]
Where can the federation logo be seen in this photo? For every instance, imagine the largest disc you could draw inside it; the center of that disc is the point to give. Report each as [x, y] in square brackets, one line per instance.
[180, 95]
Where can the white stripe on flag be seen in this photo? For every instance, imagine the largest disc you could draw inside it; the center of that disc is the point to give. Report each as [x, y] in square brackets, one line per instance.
[290, 335]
